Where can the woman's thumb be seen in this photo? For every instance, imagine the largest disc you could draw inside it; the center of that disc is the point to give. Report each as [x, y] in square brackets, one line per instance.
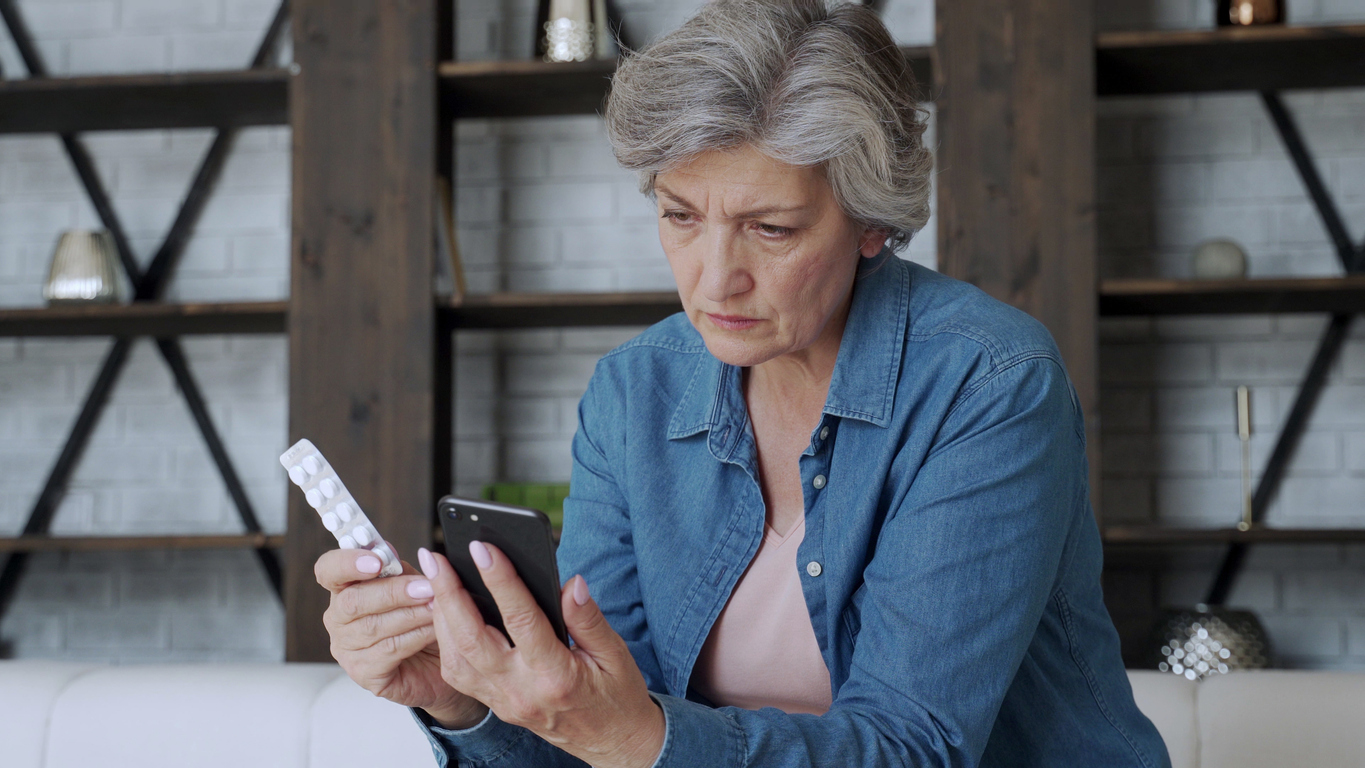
[584, 620]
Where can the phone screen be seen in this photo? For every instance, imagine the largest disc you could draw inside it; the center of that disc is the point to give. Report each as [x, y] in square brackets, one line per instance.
[523, 534]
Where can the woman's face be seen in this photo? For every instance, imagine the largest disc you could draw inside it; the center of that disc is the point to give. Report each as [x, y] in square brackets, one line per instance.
[763, 256]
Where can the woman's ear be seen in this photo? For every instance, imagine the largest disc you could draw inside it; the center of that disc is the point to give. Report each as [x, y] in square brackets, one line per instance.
[871, 242]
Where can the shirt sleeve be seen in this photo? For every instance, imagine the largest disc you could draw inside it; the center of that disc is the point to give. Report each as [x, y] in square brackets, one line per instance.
[964, 566]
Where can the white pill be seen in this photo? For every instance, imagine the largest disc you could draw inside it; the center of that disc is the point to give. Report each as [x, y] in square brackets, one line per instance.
[314, 498]
[347, 542]
[384, 555]
[344, 511]
[311, 465]
[297, 474]
[330, 522]
[363, 536]
[328, 487]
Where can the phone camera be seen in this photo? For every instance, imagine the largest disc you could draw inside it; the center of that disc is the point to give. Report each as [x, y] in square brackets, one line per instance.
[453, 514]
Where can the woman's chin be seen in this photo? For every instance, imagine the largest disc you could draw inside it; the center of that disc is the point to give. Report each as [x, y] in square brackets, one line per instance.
[729, 348]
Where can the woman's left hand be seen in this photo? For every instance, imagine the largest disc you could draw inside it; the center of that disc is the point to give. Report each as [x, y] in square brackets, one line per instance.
[591, 700]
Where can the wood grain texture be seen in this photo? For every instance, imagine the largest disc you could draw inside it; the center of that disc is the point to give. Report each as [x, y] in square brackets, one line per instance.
[127, 543]
[546, 310]
[362, 318]
[1212, 297]
[127, 102]
[1016, 127]
[146, 319]
[1229, 59]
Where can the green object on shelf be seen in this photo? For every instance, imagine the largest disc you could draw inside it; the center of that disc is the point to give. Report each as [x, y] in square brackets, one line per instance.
[546, 497]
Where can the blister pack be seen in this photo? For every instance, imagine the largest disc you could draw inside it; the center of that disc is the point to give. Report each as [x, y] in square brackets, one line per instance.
[335, 505]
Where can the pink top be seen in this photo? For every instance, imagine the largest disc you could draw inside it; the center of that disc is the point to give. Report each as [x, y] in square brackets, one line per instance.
[762, 650]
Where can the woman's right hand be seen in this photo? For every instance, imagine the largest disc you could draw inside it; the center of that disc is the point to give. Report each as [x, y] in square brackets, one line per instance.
[382, 635]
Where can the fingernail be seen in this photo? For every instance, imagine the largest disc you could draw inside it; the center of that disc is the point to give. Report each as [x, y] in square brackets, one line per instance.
[482, 557]
[368, 564]
[419, 589]
[427, 562]
[580, 591]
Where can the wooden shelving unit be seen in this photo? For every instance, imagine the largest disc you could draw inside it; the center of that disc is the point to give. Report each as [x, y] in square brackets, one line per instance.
[127, 543]
[547, 310]
[146, 319]
[1160, 536]
[399, 72]
[235, 98]
[1229, 59]
[1223, 297]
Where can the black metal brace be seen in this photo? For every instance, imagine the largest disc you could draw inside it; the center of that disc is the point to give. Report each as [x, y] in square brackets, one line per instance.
[1333, 338]
[149, 286]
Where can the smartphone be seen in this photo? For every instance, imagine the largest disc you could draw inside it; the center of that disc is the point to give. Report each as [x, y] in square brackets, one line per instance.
[523, 534]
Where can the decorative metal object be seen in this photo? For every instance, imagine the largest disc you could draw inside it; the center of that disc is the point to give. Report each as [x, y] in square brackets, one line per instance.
[567, 29]
[1219, 260]
[1204, 641]
[84, 269]
[1245, 13]
[577, 30]
[1244, 434]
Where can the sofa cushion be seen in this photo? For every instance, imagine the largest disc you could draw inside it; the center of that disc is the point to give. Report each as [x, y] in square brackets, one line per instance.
[1276, 718]
[353, 728]
[1169, 702]
[28, 690]
[171, 716]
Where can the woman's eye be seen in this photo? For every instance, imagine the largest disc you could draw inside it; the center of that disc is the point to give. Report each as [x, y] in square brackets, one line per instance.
[772, 230]
[678, 217]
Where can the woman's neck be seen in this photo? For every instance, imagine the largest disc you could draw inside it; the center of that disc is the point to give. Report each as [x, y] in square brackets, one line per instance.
[800, 380]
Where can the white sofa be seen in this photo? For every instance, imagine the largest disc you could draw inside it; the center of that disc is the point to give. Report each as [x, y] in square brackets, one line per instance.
[58, 715]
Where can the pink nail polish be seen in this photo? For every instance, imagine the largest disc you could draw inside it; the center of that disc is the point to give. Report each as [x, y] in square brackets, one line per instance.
[580, 591]
[419, 589]
[427, 563]
[368, 564]
[482, 557]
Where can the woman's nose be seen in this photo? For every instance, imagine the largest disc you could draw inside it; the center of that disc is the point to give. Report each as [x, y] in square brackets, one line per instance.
[724, 273]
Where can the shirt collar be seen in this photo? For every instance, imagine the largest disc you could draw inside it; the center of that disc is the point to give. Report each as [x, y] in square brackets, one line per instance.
[863, 386]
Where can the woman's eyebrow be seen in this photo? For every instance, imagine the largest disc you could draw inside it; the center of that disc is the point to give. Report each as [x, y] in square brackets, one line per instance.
[750, 214]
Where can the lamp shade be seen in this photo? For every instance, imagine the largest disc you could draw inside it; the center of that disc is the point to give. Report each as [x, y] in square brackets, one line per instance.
[84, 269]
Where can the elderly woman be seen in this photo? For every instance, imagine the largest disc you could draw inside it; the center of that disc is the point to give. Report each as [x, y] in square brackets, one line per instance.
[835, 513]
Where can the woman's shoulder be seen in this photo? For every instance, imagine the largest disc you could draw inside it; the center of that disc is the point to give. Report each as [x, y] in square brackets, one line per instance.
[945, 311]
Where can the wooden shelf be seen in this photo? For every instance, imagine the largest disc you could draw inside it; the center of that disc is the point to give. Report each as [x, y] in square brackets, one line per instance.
[146, 319]
[1151, 535]
[535, 88]
[1229, 59]
[126, 543]
[549, 310]
[128, 102]
[1221, 297]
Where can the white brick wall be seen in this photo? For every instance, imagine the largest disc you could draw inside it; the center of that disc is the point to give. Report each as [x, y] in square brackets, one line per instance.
[541, 206]
[1176, 171]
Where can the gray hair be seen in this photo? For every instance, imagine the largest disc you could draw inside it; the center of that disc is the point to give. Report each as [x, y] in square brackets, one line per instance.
[805, 82]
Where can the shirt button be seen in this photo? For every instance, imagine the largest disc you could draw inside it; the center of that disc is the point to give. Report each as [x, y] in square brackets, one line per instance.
[824, 432]
[813, 568]
[818, 482]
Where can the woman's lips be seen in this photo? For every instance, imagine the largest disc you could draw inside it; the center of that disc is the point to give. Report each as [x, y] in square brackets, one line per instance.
[732, 322]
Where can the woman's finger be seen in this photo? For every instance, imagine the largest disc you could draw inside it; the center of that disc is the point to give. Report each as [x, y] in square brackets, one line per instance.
[460, 628]
[589, 628]
[337, 569]
[368, 631]
[380, 596]
[523, 618]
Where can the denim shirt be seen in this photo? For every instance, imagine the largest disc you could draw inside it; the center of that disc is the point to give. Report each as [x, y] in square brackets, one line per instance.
[951, 563]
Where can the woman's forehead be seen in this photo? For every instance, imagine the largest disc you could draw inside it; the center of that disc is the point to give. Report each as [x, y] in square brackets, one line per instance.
[743, 182]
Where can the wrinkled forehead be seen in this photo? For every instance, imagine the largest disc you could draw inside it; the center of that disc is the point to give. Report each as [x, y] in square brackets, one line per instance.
[742, 181]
